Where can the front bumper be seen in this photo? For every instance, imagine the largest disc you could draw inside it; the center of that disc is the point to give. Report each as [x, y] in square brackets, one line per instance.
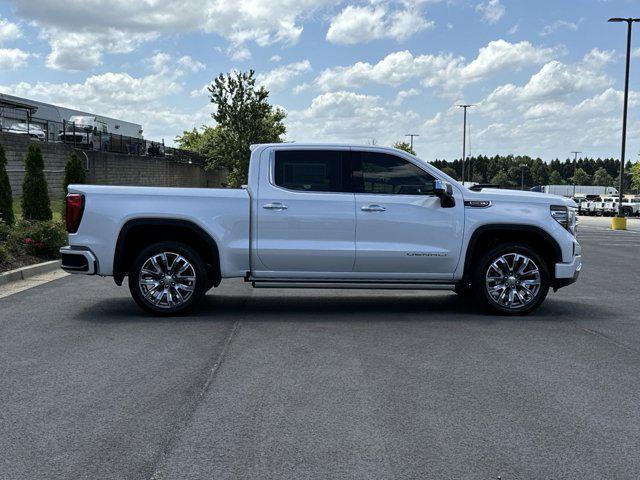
[567, 273]
[78, 260]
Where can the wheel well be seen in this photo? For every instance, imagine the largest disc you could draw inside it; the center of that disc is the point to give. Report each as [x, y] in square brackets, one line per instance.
[486, 237]
[137, 234]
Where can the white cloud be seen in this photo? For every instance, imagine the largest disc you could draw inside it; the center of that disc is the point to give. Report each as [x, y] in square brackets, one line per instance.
[348, 117]
[9, 31]
[83, 50]
[191, 63]
[492, 10]
[558, 24]
[113, 26]
[363, 24]
[513, 30]
[279, 77]
[404, 94]
[13, 58]
[443, 70]
[276, 58]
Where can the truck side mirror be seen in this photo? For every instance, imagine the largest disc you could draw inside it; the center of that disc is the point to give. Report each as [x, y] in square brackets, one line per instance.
[444, 191]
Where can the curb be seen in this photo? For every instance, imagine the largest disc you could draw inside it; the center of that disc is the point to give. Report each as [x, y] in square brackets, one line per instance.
[29, 271]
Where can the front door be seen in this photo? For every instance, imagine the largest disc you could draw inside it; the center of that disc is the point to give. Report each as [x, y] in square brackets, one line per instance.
[402, 230]
[305, 215]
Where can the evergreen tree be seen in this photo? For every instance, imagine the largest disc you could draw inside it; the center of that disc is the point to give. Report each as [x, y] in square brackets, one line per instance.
[35, 196]
[6, 200]
[73, 173]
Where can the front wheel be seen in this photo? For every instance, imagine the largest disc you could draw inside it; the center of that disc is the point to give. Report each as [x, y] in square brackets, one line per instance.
[511, 279]
[168, 278]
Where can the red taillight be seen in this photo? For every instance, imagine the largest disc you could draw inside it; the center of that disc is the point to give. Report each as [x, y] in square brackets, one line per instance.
[75, 207]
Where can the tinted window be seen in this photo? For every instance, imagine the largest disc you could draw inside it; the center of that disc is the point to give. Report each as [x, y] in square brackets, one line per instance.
[312, 170]
[388, 174]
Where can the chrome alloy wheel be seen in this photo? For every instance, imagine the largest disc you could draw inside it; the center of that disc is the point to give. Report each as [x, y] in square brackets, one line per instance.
[167, 279]
[513, 280]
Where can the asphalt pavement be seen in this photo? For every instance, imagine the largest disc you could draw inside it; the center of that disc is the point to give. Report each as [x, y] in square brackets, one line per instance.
[303, 384]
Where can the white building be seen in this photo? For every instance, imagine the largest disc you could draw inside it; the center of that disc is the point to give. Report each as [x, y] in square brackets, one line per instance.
[51, 117]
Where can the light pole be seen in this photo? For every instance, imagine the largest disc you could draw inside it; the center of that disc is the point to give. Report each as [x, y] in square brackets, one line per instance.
[464, 137]
[411, 135]
[575, 165]
[522, 167]
[626, 103]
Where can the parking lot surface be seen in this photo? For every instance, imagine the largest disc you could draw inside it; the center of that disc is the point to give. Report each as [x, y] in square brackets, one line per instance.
[296, 384]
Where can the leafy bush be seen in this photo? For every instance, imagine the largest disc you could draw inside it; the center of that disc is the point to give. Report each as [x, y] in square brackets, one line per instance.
[35, 197]
[5, 255]
[4, 231]
[6, 201]
[41, 239]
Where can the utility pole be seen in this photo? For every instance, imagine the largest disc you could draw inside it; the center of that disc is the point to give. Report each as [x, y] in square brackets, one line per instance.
[464, 137]
[630, 22]
[575, 165]
[522, 167]
[411, 135]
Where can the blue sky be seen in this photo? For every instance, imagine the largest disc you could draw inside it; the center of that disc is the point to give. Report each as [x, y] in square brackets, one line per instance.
[546, 75]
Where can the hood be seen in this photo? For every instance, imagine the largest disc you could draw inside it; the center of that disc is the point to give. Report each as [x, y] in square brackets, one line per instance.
[518, 196]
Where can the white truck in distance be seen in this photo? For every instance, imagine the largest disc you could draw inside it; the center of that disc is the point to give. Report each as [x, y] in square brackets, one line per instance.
[321, 216]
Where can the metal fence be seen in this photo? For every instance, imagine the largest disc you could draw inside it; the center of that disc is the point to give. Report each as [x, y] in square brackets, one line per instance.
[93, 138]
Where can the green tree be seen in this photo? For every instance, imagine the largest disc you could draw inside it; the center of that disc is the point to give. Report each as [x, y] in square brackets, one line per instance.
[635, 176]
[602, 178]
[555, 178]
[449, 171]
[501, 179]
[6, 200]
[73, 173]
[35, 196]
[243, 116]
[580, 177]
[405, 146]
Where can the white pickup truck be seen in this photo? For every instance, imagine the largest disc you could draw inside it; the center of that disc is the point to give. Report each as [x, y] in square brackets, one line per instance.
[321, 216]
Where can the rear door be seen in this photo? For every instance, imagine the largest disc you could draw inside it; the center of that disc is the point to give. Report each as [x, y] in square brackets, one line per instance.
[305, 214]
[402, 230]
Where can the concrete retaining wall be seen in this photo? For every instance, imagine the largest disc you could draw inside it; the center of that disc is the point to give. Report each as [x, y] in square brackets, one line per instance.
[104, 168]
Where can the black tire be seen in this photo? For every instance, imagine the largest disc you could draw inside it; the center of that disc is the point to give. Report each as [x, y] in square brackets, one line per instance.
[481, 289]
[627, 212]
[191, 297]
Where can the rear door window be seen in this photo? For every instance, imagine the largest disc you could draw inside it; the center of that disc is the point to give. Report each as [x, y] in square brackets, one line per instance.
[312, 170]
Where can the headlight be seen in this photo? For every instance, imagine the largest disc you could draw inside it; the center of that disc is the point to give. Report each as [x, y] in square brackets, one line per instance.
[565, 216]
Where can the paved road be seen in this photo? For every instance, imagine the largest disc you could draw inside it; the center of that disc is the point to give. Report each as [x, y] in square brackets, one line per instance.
[332, 384]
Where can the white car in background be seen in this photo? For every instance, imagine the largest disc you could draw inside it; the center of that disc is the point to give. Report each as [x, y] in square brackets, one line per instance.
[34, 131]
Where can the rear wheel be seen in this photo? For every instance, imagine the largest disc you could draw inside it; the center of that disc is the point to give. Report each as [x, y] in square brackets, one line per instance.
[511, 279]
[168, 278]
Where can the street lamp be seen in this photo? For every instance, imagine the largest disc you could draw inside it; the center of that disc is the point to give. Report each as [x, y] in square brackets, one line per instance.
[522, 167]
[411, 135]
[630, 22]
[575, 165]
[464, 137]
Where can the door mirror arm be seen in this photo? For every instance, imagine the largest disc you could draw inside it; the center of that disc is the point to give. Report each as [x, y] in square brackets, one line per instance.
[444, 191]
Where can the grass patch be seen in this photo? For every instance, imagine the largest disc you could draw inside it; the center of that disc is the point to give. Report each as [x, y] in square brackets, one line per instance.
[56, 208]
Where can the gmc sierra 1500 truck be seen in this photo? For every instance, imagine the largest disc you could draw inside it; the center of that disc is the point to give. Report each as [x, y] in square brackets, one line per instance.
[319, 216]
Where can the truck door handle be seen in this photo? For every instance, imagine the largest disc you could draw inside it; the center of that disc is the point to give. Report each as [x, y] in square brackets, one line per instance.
[373, 208]
[275, 206]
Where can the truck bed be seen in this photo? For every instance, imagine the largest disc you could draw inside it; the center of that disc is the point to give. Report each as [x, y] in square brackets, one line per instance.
[222, 213]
